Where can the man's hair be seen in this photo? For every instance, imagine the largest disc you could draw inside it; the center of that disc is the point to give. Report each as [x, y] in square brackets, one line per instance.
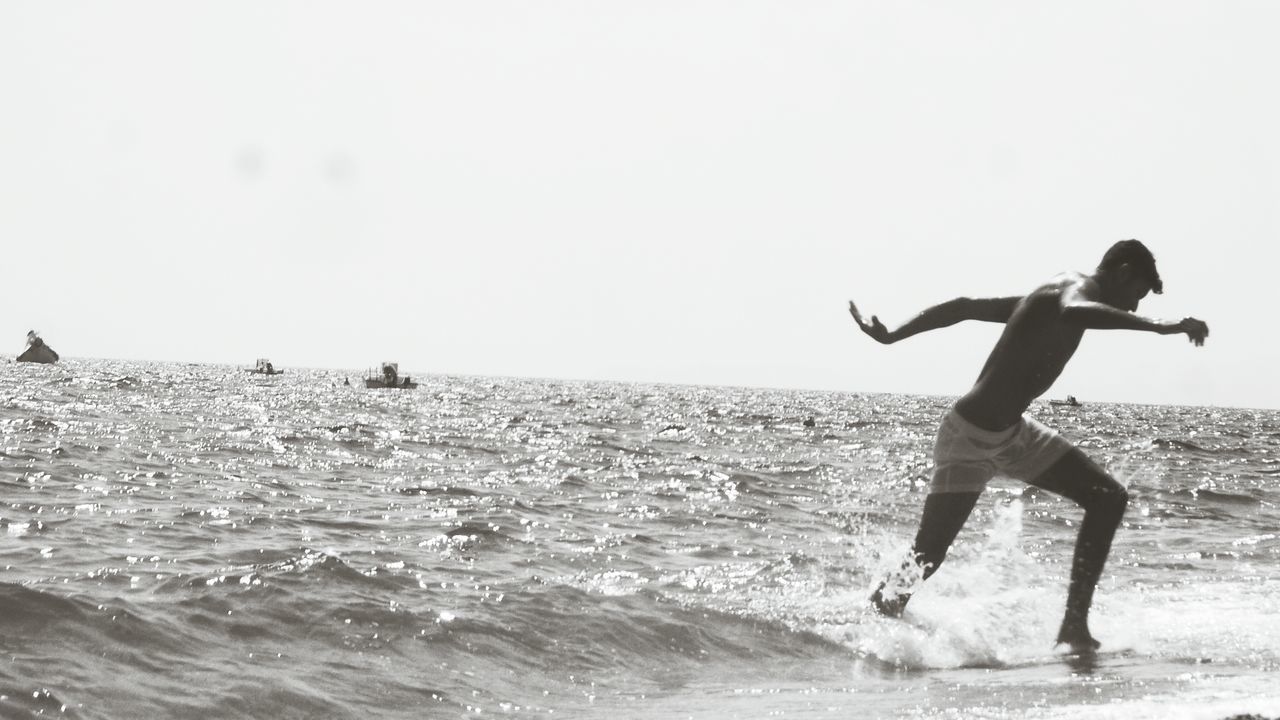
[1137, 257]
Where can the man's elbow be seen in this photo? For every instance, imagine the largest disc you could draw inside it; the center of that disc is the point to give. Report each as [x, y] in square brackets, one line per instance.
[963, 307]
[957, 310]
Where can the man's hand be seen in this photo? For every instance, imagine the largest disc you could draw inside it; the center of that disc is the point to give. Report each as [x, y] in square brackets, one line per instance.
[1195, 329]
[875, 328]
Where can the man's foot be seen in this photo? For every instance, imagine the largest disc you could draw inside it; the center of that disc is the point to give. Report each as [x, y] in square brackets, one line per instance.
[891, 606]
[1078, 638]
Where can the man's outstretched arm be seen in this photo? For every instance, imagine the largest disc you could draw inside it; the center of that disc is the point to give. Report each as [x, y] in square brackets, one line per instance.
[939, 316]
[1101, 316]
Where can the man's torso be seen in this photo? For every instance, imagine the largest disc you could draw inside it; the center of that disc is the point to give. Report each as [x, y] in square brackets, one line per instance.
[1029, 356]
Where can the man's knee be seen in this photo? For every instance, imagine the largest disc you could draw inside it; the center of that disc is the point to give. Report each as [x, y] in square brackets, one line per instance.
[1110, 498]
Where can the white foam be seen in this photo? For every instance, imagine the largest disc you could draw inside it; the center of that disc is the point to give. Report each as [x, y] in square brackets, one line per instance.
[1234, 620]
[989, 605]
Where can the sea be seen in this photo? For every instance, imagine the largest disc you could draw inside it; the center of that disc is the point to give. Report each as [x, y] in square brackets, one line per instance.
[193, 540]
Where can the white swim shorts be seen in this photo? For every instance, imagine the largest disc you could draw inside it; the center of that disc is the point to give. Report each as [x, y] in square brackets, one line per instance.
[966, 456]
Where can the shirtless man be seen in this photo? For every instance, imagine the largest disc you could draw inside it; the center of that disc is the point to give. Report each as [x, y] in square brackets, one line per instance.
[986, 432]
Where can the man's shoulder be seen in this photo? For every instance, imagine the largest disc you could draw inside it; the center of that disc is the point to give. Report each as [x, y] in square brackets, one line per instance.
[1055, 290]
[1067, 282]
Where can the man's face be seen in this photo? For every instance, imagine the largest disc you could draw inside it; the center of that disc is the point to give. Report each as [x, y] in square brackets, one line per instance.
[1131, 291]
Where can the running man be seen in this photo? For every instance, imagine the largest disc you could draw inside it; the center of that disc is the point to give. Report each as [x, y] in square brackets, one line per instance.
[986, 432]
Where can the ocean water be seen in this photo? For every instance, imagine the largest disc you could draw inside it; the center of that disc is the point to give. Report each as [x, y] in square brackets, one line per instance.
[196, 541]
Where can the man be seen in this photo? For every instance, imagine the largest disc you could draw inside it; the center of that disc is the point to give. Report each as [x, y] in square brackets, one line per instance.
[986, 432]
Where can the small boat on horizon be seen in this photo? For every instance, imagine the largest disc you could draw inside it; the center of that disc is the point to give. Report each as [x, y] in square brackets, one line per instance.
[37, 351]
[264, 367]
[389, 378]
[1071, 401]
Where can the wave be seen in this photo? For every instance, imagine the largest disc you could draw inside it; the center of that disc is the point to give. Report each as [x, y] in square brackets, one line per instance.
[591, 631]
[1219, 496]
[22, 606]
[259, 568]
[277, 651]
[17, 701]
[1181, 444]
[214, 627]
[306, 592]
[34, 619]
[439, 490]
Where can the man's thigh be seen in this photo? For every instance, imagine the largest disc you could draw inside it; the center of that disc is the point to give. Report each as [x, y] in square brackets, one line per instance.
[1078, 478]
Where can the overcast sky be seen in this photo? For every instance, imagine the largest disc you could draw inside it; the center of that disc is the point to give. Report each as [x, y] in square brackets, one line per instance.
[652, 191]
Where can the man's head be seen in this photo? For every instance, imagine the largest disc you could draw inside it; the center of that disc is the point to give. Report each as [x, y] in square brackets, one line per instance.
[1128, 273]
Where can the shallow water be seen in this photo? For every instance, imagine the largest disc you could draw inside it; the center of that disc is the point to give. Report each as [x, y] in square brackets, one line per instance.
[194, 540]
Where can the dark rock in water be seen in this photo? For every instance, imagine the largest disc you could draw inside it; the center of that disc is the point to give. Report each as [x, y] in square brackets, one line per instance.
[38, 352]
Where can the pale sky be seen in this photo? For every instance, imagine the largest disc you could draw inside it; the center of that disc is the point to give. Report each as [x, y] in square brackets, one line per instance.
[647, 191]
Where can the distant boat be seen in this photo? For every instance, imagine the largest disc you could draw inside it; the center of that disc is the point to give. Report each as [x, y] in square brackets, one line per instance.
[1071, 401]
[264, 367]
[389, 378]
[37, 351]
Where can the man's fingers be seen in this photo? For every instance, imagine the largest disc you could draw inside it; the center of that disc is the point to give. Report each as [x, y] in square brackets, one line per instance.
[853, 310]
[1196, 330]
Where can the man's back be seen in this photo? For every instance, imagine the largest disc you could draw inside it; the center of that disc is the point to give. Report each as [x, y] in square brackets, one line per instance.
[1035, 346]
